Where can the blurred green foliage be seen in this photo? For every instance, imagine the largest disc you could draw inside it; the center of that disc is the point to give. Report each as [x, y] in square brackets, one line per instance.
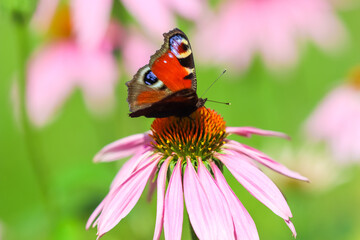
[74, 185]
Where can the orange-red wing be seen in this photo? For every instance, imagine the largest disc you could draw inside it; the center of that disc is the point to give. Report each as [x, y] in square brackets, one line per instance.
[169, 70]
[150, 97]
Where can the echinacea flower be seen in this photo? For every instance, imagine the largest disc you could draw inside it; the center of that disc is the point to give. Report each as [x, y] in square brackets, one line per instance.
[77, 54]
[192, 151]
[241, 29]
[335, 120]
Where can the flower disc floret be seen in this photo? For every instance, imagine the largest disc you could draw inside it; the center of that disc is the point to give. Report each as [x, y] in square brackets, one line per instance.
[199, 135]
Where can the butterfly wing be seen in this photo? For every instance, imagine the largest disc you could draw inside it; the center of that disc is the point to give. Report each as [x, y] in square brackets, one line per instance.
[173, 63]
[171, 70]
[145, 89]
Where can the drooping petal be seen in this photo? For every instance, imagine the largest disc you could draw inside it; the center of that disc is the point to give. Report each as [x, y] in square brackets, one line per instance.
[95, 214]
[97, 74]
[152, 186]
[51, 72]
[220, 207]
[244, 225]
[174, 205]
[90, 21]
[198, 205]
[122, 148]
[262, 158]
[131, 165]
[136, 162]
[291, 226]
[258, 184]
[136, 51]
[123, 199]
[161, 183]
[248, 131]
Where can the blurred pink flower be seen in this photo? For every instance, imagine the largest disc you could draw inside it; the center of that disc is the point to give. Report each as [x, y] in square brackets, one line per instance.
[270, 28]
[158, 16]
[193, 150]
[336, 122]
[77, 54]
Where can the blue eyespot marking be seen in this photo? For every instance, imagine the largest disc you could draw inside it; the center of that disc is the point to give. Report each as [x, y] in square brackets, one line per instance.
[150, 78]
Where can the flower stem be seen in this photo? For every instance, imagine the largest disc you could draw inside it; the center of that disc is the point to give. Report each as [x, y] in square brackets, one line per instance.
[21, 26]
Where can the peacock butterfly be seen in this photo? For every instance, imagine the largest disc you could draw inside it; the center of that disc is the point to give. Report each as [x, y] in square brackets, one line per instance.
[167, 85]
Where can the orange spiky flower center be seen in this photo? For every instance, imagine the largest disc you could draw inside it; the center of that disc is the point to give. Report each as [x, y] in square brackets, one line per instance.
[199, 135]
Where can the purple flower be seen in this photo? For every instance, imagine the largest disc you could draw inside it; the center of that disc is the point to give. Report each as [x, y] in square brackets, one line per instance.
[193, 152]
[78, 54]
[270, 28]
[335, 121]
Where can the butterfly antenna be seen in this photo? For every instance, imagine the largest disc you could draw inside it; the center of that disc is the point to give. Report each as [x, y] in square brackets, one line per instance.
[226, 103]
[213, 83]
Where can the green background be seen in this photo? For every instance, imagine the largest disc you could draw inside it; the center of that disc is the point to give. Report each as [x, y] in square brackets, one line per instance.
[52, 198]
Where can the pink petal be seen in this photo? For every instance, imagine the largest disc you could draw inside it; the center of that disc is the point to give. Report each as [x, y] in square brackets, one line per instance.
[123, 147]
[258, 184]
[161, 183]
[279, 48]
[198, 205]
[244, 225]
[137, 50]
[262, 158]
[114, 37]
[90, 20]
[234, 40]
[220, 208]
[44, 13]
[152, 186]
[97, 74]
[137, 161]
[95, 214]
[158, 21]
[122, 200]
[291, 226]
[174, 205]
[248, 131]
[131, 165]
[50, 80]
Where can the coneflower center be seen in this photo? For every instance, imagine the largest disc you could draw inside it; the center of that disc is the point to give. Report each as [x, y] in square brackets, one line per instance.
[61, 25]
[199, 135]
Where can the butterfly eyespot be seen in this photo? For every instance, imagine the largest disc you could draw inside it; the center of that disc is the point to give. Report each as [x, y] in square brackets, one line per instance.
[176, 38]
[179, 46]
[185, 47]
[150, 78]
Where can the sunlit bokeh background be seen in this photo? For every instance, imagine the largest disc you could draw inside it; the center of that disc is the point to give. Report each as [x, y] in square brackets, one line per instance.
[63, 97]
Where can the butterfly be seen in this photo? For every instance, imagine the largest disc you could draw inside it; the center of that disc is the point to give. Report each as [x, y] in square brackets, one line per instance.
[167, 85]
